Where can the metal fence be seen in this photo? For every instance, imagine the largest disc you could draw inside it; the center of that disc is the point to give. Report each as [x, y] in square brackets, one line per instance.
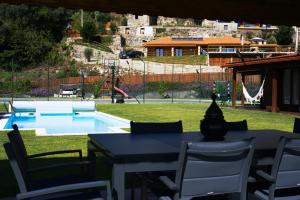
[99, 82]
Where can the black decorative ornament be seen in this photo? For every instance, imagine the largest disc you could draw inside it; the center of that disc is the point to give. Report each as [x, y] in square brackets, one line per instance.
[213, 126]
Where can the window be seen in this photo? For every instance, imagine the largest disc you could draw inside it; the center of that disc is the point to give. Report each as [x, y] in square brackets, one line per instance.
[178, 52]
[142, 31]
[225, 27]
[136, 17]
[127, 31]
[159, 52]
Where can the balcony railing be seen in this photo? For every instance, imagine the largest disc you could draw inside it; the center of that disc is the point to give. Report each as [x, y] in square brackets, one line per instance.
[248, 49]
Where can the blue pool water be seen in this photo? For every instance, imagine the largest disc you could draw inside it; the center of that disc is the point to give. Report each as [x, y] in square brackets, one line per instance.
[73, 123]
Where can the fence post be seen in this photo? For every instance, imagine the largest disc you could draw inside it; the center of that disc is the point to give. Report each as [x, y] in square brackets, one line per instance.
[12, 81]
[172, 78]
[48, 84]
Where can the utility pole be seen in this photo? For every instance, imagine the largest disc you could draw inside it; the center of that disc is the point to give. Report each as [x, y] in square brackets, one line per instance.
[48, 83]
[81, 17]
[172, 83]
[12, 81]
[144, 79]
[113, 83]
[297, 38]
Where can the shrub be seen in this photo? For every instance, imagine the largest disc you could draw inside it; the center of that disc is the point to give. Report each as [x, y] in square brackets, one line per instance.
[42, 92]
[88, 52]
[97, 88]
[113, 27]
[284, 35]
[88, 31]
[61, 74]
[106, 39]
[160, 30]
[124, 21]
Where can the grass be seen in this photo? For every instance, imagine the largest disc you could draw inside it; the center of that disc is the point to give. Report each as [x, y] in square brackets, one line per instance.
[187, 60]
[191, 114]
[2, 107]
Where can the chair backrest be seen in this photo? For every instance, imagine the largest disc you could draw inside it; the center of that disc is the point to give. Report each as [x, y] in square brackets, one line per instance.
[210, 168]
[286, 167]
[296, 125]
[237, 126]
[154, 127]
[17, 144]
[18, 167]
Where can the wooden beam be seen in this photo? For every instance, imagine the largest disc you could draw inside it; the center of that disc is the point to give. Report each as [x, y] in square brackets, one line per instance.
[243, 97]
[274, 107]
[234, 89]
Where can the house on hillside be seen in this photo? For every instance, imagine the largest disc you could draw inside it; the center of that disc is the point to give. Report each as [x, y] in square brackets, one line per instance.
[255, 27]
[221, 50]
[281, 89]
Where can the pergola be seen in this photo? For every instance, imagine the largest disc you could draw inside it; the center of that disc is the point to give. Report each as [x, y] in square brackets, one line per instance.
[277, 12]
[275, 90]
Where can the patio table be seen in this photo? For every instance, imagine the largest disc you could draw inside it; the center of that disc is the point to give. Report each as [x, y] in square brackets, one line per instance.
[159, 152]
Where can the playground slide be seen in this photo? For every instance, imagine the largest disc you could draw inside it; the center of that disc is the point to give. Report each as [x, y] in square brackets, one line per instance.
[122, 92]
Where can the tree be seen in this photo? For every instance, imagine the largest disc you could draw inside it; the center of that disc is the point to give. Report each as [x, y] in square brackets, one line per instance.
[76, 19]
[269, 36]
[28, 34]
[88, 52]
[124, 21]
[113, 27]
[284, 35]
[88, 31]
[102, 18]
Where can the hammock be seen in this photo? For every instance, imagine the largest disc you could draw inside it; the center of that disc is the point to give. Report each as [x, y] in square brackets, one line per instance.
[257, 97]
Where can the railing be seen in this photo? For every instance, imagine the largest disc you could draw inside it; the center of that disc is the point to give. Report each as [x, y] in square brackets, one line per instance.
[254, 49]
[132, 79]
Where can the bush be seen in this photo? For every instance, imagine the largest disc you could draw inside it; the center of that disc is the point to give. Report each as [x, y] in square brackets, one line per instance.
[124, 21]
[113, 27]
[61, 74]
[88, 52]
[20, 86]
[160, 30]
[42, 92]
[88, 31]
[97, 88]
[106, 39]
[28, 33]
[284, 35]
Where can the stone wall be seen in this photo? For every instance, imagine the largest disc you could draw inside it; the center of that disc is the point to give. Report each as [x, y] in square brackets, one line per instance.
[193, 32]
[138, 20]
[136, 36]
[164, 68]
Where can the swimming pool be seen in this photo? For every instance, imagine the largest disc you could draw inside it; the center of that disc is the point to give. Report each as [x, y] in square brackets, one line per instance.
[77, 123]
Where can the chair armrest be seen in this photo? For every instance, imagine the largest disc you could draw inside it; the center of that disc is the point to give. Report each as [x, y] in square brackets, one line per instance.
[57, 152]
[251, 179]
[63, 165]
[165, 198]
[169, 183]
[265, 176]
[66, 188]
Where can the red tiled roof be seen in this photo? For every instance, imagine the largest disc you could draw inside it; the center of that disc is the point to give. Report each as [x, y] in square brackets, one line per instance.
[276, 59]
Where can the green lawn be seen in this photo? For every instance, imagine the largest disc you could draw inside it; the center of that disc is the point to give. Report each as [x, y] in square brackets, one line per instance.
[190, 114]
[2, 107]
[188, 60]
